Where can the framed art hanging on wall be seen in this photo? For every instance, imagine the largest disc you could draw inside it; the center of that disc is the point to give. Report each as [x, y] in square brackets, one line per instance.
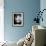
[18, 18]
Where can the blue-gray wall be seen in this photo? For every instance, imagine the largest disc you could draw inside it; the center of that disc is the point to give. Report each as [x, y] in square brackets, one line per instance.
[43, 6]
[29, 7]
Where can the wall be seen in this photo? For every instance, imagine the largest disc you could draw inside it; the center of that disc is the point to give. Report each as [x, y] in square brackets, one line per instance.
[1, 20]
[29, 7]
[43, 6]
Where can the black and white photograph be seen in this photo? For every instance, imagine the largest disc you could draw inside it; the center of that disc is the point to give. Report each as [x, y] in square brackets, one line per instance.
[18, 19]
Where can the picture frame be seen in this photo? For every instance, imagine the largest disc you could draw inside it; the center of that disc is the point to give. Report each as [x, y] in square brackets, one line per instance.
[18, 19]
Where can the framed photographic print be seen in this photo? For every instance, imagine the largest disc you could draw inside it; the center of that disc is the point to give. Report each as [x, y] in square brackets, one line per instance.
[18, 19]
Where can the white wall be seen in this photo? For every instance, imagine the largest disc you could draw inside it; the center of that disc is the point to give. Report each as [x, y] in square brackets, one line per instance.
[1, 20]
